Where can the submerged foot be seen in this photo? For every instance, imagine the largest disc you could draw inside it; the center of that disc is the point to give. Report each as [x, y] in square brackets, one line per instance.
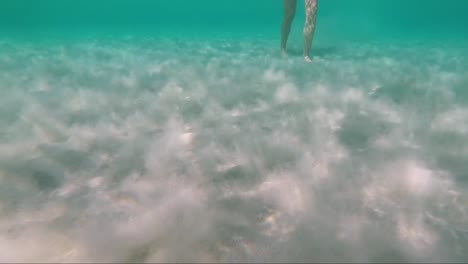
[307, 59]
[284, 53]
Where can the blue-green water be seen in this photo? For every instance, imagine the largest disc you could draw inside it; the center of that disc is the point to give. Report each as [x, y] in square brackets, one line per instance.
[173, 131]
[366, 19]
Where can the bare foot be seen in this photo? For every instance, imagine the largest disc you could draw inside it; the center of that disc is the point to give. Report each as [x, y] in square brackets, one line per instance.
[284, 54]
[307, 59]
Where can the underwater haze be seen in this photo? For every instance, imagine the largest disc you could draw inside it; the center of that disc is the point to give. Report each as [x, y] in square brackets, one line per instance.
[173, 131]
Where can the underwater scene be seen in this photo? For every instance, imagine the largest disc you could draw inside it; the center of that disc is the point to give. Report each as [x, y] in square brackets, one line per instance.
[177, 131]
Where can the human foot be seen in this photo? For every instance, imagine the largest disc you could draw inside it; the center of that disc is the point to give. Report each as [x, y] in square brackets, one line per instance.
[284, 53]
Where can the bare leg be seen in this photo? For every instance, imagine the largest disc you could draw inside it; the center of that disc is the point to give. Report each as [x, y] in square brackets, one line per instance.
[309, 27]
[289, 12]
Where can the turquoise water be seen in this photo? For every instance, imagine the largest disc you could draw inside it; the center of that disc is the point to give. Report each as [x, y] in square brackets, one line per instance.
[338, 19]
[173, 131]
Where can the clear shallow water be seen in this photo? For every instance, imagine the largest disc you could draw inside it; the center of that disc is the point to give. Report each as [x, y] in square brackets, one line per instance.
[199, 145]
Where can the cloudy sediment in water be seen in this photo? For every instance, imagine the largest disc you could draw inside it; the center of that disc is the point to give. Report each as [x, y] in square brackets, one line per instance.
[177, 149]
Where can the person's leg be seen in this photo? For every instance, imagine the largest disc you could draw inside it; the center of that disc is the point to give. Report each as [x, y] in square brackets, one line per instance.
[309, 27]
[289, 7]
